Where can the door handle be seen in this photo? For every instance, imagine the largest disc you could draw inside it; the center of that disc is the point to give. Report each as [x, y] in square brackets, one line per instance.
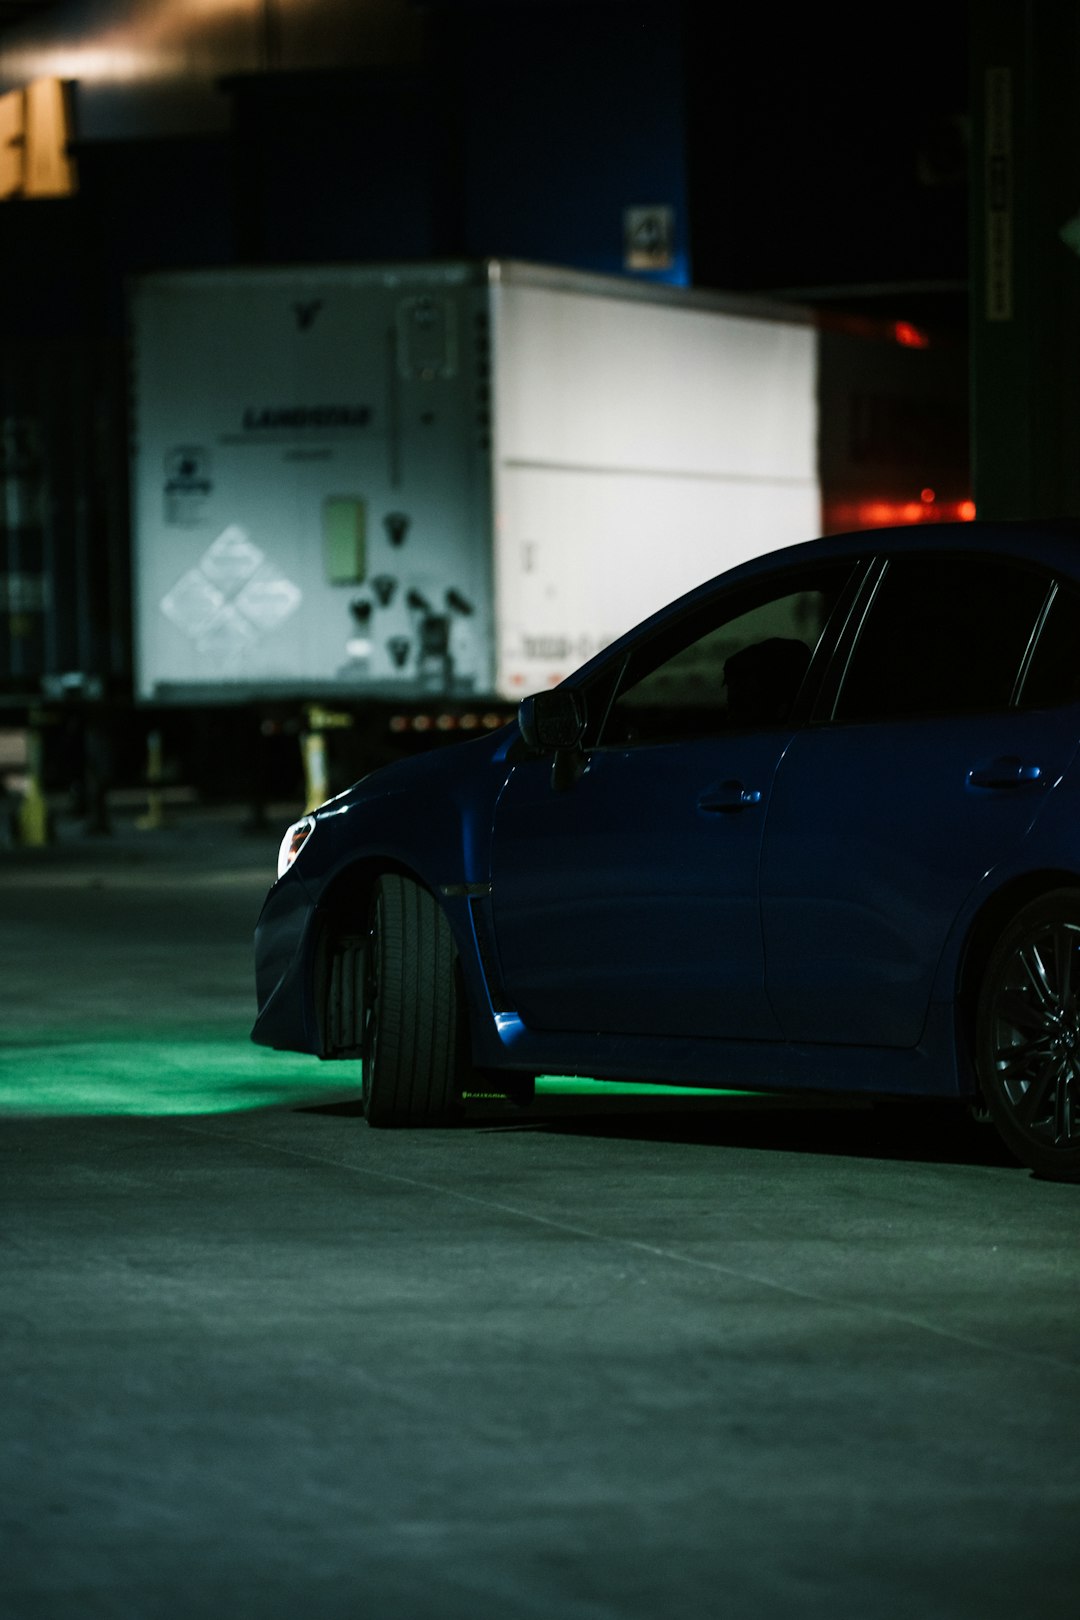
[727, 798]
[1007, 771]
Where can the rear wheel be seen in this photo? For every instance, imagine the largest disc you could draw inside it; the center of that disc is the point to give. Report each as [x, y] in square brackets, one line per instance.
[414, 1046]
[1028, 1035]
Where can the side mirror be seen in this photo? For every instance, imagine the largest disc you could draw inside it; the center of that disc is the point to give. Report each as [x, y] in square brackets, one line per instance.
[552, 722]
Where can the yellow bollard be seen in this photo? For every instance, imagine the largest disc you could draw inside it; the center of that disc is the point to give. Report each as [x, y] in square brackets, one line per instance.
[316, 786]
[313, 747]
[33, 817]
[155, 774]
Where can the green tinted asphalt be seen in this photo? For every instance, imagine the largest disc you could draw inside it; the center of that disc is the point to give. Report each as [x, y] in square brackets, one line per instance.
[181, 1075]
[178, 1075]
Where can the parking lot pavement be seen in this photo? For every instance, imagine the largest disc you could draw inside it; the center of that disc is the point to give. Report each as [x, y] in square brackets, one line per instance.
[621, 1357]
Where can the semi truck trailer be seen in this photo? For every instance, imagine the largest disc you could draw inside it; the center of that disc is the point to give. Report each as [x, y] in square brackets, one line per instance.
[443, 484]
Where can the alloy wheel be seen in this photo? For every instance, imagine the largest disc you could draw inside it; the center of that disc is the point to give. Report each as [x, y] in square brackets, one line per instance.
[1029, 1036]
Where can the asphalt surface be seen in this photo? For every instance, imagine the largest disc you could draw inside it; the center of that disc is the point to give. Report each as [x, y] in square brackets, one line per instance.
[619, 1357]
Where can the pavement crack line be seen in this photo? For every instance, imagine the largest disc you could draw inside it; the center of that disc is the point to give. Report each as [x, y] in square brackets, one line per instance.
[655, 1251]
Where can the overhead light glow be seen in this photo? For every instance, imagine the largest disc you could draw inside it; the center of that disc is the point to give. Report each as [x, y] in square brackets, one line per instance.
[158, 39]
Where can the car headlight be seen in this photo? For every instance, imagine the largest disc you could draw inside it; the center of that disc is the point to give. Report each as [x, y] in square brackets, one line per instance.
[293, 842]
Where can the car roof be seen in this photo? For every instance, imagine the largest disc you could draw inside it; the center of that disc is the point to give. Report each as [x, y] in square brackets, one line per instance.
[1055, 543]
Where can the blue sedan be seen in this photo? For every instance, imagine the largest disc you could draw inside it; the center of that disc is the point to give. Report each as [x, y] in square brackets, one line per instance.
[816, 825]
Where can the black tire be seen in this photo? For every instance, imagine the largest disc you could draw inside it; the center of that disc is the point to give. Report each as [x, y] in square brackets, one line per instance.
[1027, 1035]
[414, 1052]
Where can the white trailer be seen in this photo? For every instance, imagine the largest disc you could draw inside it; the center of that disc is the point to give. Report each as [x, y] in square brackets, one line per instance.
[449, 481]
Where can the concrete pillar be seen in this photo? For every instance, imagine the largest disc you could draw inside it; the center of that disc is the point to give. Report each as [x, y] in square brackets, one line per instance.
[1025, 257]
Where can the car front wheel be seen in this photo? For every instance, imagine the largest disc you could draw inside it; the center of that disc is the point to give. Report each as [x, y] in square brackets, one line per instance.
[414, 1046]
[1028, 1035]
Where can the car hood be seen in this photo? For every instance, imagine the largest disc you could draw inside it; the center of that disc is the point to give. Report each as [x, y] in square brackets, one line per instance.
[442, 770]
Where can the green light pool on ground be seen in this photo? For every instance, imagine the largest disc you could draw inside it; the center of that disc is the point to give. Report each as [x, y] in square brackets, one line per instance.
[180, 1074]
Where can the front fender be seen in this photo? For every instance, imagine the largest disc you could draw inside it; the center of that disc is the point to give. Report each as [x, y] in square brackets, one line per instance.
[429, 818]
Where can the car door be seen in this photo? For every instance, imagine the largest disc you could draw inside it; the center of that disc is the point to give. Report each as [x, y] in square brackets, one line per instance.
[924, 776]
[624, 890]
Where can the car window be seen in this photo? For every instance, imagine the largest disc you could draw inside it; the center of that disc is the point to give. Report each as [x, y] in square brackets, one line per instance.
[943, 635]
[1053, 676]
[737, 665]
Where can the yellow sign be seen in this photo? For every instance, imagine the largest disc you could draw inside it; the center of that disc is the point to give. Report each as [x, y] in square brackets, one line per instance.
[12, 141]
[35, 130]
